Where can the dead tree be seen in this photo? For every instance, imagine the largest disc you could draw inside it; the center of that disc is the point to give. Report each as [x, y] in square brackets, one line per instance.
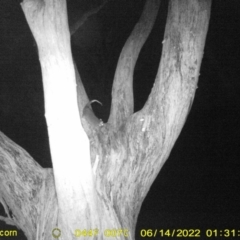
[101, 172]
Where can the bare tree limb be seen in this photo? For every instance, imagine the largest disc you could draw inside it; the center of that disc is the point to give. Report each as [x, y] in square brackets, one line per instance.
[21, 189]
[140, 148]
[69, 145]
[154, 130]
[122, 91]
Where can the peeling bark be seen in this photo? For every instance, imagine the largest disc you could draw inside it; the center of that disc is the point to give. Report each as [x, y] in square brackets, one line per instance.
[27, 190]
[103, 188]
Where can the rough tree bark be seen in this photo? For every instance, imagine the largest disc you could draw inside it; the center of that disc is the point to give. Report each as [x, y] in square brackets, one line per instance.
[100, 184]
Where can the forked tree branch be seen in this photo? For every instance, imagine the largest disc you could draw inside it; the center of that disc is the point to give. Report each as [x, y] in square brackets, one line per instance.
[153, 131]
[122, 91]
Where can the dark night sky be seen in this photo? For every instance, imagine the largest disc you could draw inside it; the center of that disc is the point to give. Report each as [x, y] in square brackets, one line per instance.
[198, 187]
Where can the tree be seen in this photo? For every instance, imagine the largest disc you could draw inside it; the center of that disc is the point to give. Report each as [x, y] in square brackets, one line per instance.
[101, 175]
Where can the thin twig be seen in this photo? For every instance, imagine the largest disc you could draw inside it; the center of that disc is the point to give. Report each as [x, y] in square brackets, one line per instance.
[85, 16]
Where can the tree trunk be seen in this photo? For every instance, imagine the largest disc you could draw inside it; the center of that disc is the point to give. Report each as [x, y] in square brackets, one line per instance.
[99, 193]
